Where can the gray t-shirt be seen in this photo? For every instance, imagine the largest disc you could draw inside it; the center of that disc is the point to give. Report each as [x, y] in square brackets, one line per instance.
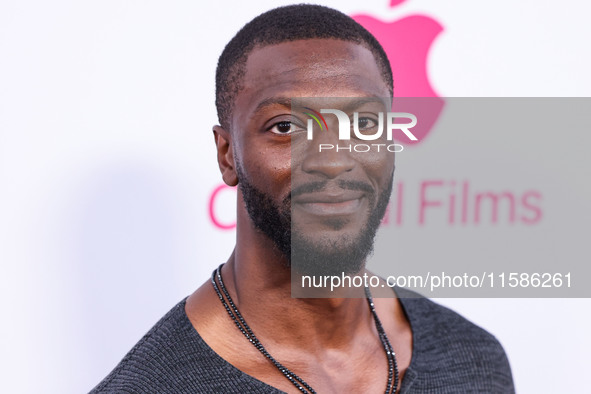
[450, 355]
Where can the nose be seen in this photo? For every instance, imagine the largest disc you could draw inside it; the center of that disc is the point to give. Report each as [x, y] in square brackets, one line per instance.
[328, 156]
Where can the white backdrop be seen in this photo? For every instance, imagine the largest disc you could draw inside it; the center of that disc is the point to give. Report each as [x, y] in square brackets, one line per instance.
[107, 166]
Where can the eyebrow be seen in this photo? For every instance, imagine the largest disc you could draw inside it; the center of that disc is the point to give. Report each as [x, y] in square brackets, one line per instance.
[272, 101]
[286, 102]
[358, 102]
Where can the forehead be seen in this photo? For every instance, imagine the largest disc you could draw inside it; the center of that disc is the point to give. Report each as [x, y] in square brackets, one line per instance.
[309, 68]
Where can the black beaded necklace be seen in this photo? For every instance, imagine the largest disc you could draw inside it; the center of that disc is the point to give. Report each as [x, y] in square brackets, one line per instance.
[292, 377]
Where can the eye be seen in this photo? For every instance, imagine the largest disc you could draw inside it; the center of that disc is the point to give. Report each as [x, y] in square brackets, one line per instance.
[283, 127]
[366, 123]
[286, 127]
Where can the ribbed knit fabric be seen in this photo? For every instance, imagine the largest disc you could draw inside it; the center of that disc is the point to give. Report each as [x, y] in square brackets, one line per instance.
[450, 355]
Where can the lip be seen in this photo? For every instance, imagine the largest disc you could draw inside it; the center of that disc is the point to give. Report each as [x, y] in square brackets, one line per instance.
[330, 204]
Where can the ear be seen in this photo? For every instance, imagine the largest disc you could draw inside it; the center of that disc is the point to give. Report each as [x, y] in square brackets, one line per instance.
[223, 143]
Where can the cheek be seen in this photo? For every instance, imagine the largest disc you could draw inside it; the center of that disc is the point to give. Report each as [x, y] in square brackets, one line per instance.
[277, 163]
[268, 167]
[377, 165]
[377, 162]
[299, 150]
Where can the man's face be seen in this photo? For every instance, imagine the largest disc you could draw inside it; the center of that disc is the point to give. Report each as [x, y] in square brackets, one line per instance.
[321, 209]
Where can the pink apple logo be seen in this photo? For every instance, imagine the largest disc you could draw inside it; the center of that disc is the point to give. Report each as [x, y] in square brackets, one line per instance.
[407, 42]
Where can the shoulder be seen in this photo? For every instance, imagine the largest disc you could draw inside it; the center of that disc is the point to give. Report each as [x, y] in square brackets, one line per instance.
[172, 358]
[149, 362]
[450, 351]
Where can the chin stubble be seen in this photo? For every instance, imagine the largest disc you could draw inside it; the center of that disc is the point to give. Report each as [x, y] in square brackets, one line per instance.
[330, 257]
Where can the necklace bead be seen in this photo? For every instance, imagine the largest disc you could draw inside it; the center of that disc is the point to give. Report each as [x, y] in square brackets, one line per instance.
[298, 382]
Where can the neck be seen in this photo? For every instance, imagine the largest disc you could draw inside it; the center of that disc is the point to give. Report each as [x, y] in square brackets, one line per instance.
[259, 281]
[268, 307]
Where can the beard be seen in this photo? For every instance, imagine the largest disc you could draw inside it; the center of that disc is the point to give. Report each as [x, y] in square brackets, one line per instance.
[345, 255]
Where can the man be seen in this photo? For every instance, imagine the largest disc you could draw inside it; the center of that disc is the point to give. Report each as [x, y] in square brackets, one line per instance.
[312, 212]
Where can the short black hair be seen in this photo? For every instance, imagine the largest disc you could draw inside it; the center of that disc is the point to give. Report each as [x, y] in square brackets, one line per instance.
[284, 24]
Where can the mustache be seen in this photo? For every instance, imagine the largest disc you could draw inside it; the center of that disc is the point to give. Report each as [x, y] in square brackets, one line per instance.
[312, 187]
